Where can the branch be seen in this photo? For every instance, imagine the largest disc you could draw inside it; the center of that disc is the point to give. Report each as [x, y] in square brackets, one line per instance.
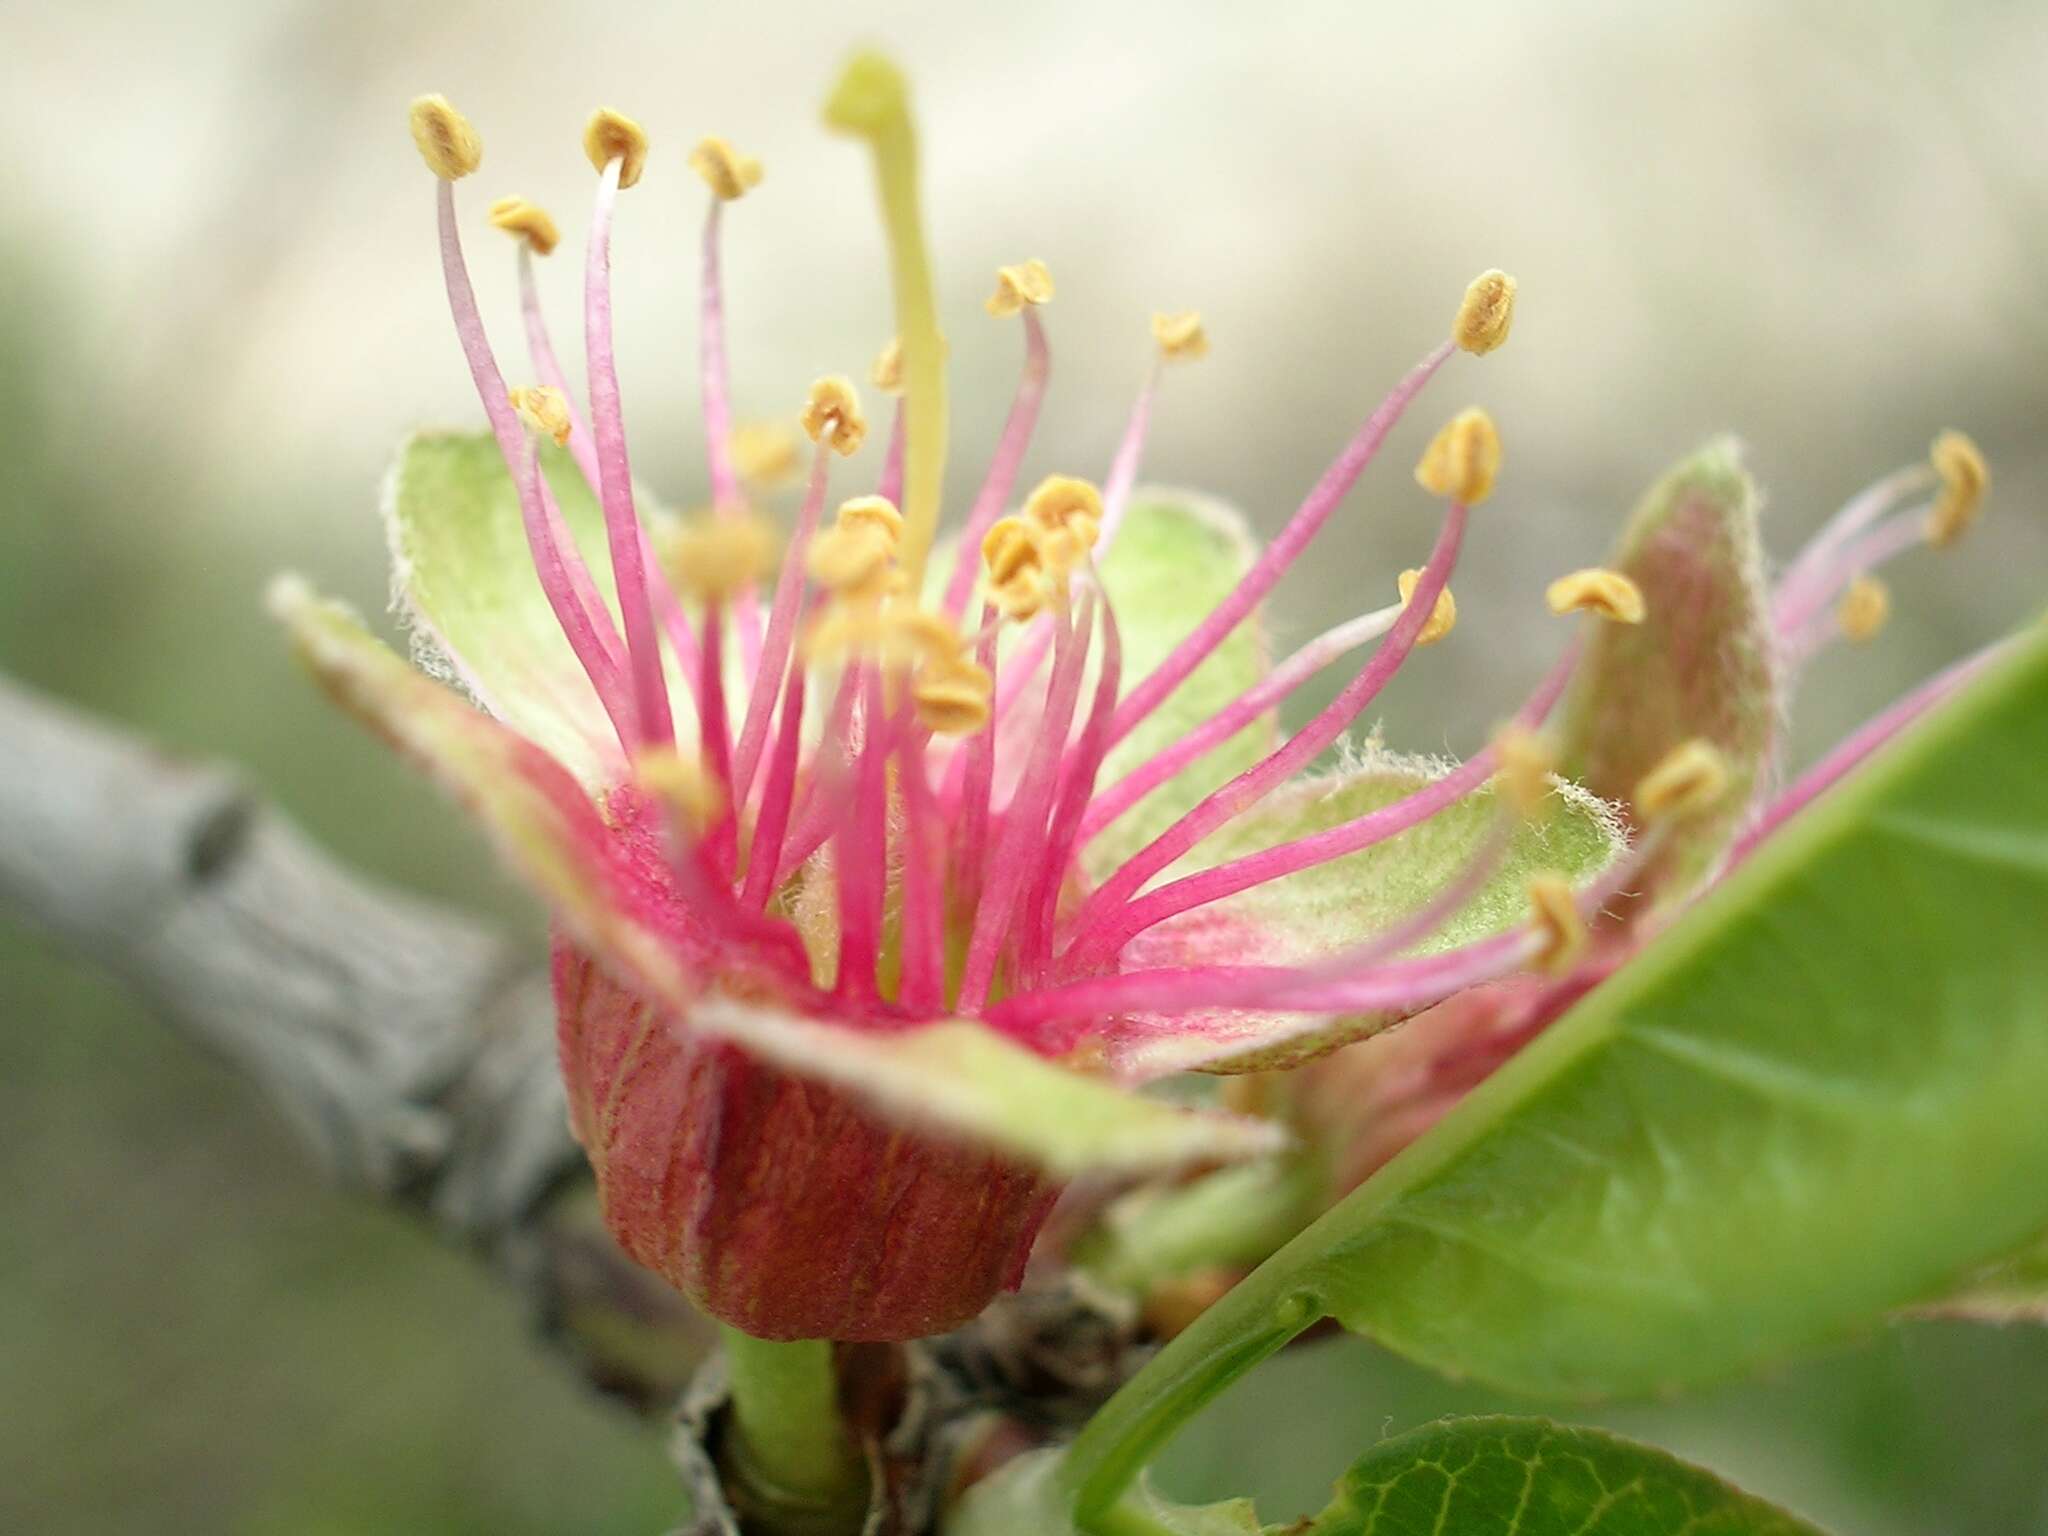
[411, 1049]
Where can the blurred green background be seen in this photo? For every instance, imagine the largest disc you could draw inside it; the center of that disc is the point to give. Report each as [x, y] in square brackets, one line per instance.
[1819, 226]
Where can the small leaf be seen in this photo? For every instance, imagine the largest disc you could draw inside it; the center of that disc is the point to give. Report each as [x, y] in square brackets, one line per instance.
[1023, 1497]
[1178, 556]
[1700, 663]
[1504, 1476]
[1345, 901]
[465, 577]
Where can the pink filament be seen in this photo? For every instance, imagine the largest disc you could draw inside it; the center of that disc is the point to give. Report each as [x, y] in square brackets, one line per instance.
[817, 813]
[1353, 836]
[861, 851]
[716, 388]
[922, 989]
[1093, 926]
[1235, 716]
[774, 657]
[979, 759]
[615, 477]
[1002, 469]
[1337, 480]
[776, 797]
[1816, 569]
[1024, 820]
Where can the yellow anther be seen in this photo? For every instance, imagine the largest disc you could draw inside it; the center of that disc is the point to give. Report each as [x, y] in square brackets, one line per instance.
[1692, 778]
[764, 453]
[447, 142]
[1555, 916]
[1597, 590]
[1443, 618]
[1864, 608]
[918, 634]
[610, 136]
[1462, 460]
[692, 796]
[887, 374]
[713, 557]
[953, 700]
[1486, 314]
[876, 512]
[850, 559]
[528, 222]
[1526, 765]
[1067, 502]
[1181, 337]
[1010, 549]
[832, 415]
[726, 171]
[1965, 477]
[1023, 596]
[543, 410]
[1029, 282]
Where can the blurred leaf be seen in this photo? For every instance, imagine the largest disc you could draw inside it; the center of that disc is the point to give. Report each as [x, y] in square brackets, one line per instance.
[1024, 1498]
[2014, 1291]
[1528, 1477]
[1700, 662]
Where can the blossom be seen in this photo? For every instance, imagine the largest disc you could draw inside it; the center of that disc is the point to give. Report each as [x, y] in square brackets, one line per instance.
[886, 867]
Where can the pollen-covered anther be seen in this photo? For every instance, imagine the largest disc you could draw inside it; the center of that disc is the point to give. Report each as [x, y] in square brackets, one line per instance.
[1181, 336]
[1443, 618]
[876, 512]
[610, 136]
[887, 373]
[850, 560]
[714, 556]
[1066, 502]
[728, 173]
[691, 796]
[544, 410]
[1028, 282]
[447, 142]
[953, 699]
[1864, 608]
[1462, 460]
[1555, 916]
[1526, 766]
[526, 221]
[832, 415]
[764, 453]
[1597, 590]
[1691, 779]
[1486, 314]
[1010, 549]
[1965, 477]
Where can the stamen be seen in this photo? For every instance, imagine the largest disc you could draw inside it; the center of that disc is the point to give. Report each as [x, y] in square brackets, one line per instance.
[979, 771]
[1255, 701]
[922, 988]
[1181, 336]
[1462, 460]
[1442, 619]
[1100, 933]
[1277, 556]
[1556, 918]
[777, 796]
[872, 102]
[1486, 313]
[445, 138]
[1024, 822]
[527, 222]
[543, 410]
[609, 131]
[610, 136]
[1064, 503]
[682, 786]
[711, 558]
[1864, 608]
[887, 372]
[764, 453]
[861, 868]
[1689, 781]
[1964, 479]
[775, 647]
[728, 173]
[1526, 766]
[832, 415]
[1024, 285]
[1001, 478]
[849, 561]
[953, 700]
[1609, 594]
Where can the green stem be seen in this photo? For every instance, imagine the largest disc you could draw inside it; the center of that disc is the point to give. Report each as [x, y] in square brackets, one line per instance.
[789, 1464]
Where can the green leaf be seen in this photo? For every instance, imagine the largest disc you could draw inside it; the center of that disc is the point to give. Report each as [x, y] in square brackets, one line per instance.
[1815, 1100]
[2014, 1290]
[1177, 557]
[464, 577]
[1700, 663]
[1323, 909]
[1501, 1476]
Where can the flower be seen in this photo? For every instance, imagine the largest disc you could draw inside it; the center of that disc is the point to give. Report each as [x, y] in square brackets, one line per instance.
[885, 869]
